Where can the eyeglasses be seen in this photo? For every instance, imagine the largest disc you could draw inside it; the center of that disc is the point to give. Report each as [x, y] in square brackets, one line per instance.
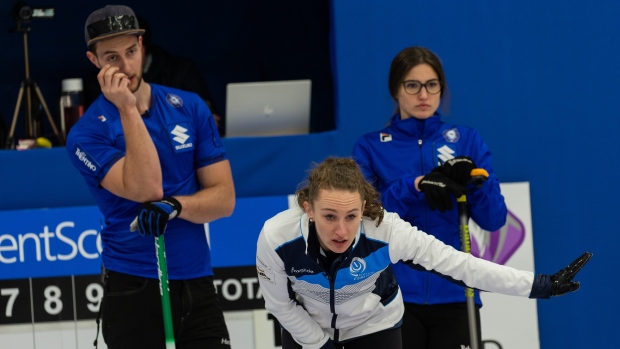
[413, 87]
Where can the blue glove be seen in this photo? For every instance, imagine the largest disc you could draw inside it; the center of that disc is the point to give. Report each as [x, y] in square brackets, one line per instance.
[154, 216]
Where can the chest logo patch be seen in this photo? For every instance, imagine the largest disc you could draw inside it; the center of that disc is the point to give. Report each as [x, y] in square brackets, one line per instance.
[357, 267]
[452, 135]
[174, 100]
[444, 154]
[385, 137]
[181, 139]
[180, 134]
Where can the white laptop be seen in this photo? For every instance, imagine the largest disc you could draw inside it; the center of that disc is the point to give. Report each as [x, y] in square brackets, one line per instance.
[268, 108]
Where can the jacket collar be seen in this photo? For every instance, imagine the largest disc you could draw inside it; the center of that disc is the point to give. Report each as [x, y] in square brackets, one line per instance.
[415, 127]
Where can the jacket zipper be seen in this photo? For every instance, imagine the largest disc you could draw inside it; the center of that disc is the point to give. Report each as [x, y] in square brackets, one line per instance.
[426, 282]
[332, 294]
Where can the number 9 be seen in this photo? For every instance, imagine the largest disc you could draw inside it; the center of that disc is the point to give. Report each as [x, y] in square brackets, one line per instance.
[94, 293]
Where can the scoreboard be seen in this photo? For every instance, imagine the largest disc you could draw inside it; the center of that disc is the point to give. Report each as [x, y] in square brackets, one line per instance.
[65, 298]
[50, 260]
[77, 297]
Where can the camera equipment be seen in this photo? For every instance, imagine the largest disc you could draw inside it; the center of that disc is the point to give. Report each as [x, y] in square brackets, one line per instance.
[22, 14]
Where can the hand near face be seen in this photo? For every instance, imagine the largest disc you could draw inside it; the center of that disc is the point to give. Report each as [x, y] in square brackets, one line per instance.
[115, 87]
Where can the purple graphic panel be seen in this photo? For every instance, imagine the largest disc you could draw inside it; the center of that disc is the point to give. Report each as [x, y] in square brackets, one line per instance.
[499, 245]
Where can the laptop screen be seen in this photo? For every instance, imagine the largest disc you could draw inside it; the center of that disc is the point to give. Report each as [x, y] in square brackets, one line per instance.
[268, 108]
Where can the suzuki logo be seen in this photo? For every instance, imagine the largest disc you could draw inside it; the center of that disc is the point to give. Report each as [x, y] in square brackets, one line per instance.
[180, 134]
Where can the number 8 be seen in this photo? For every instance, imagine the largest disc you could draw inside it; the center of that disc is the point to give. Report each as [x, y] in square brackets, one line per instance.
[53, 304]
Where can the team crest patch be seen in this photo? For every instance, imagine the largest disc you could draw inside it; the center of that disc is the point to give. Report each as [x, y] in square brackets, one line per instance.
[357, 269]
[174, 100]
[452, 135]
[385, 137]
[358, 266]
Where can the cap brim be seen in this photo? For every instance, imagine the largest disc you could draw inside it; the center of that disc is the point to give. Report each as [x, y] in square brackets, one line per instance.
[111, 35]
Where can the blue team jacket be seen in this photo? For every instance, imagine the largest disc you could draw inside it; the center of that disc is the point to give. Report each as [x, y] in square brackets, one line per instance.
[394, 156]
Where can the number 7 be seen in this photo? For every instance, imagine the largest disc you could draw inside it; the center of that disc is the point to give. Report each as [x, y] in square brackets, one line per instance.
[12, 293]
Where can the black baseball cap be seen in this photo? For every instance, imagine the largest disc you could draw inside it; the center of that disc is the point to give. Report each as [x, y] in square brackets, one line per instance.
[110, 21]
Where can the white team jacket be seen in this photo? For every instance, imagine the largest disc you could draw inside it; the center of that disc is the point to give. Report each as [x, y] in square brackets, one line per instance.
[358, 295]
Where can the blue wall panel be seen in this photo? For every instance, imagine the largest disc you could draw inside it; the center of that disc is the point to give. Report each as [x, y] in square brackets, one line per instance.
[538, 79]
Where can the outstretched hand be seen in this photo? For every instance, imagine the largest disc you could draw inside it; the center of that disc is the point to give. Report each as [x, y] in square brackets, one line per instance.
[562, 281]
[154, 216]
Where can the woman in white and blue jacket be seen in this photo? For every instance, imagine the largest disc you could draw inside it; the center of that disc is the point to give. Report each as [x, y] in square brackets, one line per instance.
[420, 164]
[325, 267]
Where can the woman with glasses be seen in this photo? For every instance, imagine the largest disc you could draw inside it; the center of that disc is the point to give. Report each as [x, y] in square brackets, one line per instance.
[420, 164]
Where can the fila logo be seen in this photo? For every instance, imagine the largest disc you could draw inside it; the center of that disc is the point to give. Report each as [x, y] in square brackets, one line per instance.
[180, 134]
[445, 154]
[385, 137]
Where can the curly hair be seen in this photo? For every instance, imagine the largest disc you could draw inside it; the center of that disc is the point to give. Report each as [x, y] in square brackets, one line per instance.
[336, 173]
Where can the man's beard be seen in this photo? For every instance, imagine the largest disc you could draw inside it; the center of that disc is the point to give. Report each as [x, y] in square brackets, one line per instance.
[139, 80]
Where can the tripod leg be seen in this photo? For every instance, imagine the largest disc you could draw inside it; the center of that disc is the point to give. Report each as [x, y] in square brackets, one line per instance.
[60, 137]
[9, 138]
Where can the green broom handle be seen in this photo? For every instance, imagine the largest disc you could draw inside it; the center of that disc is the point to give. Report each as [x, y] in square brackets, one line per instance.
[164, 291]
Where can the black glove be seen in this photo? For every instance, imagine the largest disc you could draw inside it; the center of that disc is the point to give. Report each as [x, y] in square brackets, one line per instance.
[458, 169]
[437, 189]
[561, 282]
[154, 216]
